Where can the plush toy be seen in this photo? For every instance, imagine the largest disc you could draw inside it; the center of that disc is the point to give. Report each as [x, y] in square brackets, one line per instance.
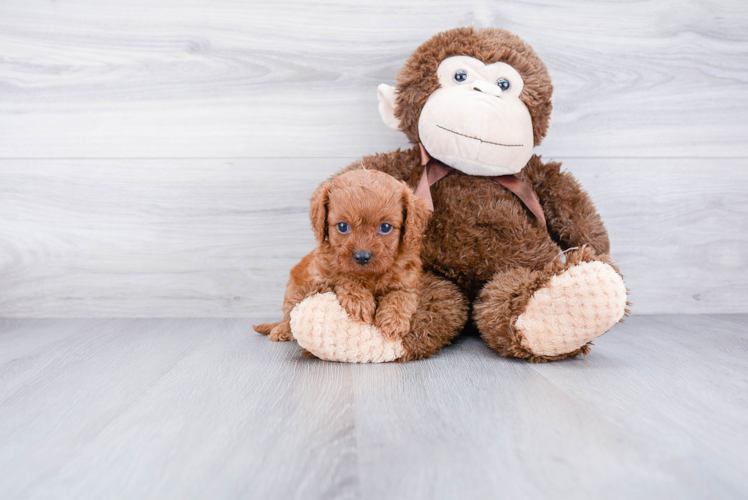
[514, 243]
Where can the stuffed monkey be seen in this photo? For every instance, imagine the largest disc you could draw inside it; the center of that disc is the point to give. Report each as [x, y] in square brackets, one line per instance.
[514, 244]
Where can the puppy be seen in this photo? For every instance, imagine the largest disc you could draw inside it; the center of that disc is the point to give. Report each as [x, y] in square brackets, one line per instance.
[369, 228]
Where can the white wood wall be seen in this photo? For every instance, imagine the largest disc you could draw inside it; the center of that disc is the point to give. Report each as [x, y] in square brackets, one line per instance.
[156, 157]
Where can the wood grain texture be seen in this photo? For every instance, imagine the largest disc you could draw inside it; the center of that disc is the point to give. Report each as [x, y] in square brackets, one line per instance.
[217, 238]
[170, 409]
[153, 238]
[285, 78]
[208, 409]
[637, 418]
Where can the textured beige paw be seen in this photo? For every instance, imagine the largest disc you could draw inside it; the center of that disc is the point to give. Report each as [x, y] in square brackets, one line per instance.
[321, 326]
[574, 308]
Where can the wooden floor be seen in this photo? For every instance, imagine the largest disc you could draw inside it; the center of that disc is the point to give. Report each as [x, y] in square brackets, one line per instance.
[205, 408]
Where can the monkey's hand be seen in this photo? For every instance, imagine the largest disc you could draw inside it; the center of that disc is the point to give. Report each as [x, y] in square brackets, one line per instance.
[322, 327]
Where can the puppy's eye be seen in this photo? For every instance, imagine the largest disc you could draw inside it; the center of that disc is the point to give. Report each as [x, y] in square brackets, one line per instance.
[460, 75]
[343, 228]
[503, 84]
[385, 228]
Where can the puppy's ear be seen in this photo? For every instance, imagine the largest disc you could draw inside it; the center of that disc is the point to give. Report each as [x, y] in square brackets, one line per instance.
[415, 217]
[318, 210]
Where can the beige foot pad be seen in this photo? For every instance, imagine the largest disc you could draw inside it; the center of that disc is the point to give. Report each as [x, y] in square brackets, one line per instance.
[574, 308]
[321, 326]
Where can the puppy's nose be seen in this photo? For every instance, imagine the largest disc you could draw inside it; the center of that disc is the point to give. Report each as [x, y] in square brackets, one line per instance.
[362, 257]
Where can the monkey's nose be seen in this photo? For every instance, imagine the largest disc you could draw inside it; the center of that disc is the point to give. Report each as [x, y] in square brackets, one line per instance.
[362, 257]
[486, 88]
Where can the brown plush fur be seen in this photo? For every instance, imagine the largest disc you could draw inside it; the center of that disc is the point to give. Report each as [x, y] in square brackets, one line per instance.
[418, 79]
[479, 228]
[506, 296]
[441, 314]
[385, 290]
[481, 237]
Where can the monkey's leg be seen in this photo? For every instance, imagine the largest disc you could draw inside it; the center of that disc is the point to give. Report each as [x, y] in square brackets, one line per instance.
[554, 313]
[322, 327]
[440, 317]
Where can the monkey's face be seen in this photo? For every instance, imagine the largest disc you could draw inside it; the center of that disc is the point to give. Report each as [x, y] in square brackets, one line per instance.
[476, 122]
[477, 99]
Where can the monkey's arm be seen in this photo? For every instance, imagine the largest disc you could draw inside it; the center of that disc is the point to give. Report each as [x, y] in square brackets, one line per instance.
[570, 214]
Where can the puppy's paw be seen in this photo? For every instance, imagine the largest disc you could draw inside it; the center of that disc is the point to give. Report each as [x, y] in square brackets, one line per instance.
[281, 332]
[359, 308]
[265, 328]
[393, 326]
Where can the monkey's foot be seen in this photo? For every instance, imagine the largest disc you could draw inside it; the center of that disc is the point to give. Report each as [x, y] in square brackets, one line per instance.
[573, 308]
[553, 313]
[321, 326]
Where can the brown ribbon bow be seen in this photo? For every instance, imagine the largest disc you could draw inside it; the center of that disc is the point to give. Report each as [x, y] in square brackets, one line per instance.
[434, 171]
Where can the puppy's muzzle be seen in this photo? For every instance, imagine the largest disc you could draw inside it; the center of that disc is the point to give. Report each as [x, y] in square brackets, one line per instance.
[362, 257]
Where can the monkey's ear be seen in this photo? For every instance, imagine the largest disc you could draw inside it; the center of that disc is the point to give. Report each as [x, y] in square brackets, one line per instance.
[416, 216]
[386, 96]
[318, 211]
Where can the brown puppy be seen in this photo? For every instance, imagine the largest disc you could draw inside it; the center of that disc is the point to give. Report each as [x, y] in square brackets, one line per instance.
[369, 227]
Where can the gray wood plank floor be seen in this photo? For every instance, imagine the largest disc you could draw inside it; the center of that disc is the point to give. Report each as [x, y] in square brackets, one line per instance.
[205, 408]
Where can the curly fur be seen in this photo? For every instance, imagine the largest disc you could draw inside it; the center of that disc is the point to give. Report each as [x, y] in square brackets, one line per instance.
[418, 79]
[440, 316]
[481, 237]
[482, 247]
[383, 291]
[322, 331]
[503, 300]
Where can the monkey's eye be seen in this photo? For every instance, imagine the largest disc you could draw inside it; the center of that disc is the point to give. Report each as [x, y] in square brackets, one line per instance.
[385, 228]
[503, 84]
[460, 75]
[343, 228]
